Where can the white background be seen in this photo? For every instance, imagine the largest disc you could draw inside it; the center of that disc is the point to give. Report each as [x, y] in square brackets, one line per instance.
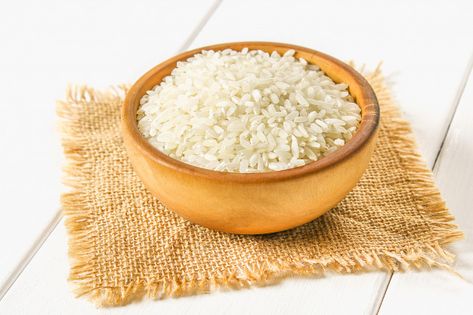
[427, 49]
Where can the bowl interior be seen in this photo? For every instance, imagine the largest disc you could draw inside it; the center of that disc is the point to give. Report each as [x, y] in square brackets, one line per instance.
[338, 71]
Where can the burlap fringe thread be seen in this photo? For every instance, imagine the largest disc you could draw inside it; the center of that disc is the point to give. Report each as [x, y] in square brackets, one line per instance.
[79, 219]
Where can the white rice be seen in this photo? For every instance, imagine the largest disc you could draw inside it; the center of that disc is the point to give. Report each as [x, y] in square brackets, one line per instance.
[247, 111]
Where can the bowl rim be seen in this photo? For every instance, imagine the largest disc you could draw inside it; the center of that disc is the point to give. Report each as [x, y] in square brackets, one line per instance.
[369, 120]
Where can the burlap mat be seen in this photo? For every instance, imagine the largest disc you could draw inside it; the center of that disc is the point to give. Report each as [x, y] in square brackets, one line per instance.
[125, 245]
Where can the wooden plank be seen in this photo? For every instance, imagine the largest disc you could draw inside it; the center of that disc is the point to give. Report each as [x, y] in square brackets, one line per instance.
[45, 283]
[409, 51]
[440, 292]
[412, 38]
[44, 45]
[366, 32]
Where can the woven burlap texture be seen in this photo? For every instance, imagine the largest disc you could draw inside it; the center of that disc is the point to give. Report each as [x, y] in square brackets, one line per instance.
[125, 245]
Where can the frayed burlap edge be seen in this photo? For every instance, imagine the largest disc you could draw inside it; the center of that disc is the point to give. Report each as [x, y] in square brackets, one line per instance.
[79, 218]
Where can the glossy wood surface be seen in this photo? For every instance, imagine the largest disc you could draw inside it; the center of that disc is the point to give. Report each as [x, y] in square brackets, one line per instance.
[257, 202]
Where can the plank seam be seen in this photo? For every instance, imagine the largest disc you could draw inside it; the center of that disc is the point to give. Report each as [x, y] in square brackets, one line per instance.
[24, 262]
[456, 102]
[435, 166]
[384, 287]
[37, 245]
[200, 26]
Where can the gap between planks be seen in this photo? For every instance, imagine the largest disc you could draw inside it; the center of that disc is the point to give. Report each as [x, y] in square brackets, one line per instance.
[188, 42]
[438, 160]
[30, 254]
[43, 237]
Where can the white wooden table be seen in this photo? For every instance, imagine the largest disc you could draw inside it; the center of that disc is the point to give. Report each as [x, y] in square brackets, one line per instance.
[427, 49]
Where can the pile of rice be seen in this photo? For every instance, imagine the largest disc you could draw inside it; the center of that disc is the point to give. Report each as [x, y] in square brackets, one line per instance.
[247, 111]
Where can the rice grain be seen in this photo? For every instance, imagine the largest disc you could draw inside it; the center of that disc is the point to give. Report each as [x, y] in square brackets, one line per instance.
[247, 111]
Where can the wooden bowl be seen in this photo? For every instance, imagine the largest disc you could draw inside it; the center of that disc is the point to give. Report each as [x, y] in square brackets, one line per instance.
[254, 203]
